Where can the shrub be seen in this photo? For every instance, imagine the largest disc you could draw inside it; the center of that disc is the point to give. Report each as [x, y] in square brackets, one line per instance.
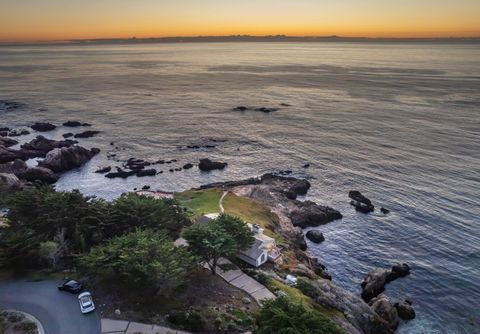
[307, 288]
[284, 316]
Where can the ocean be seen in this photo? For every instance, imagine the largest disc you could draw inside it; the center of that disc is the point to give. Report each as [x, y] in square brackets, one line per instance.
[400, 122]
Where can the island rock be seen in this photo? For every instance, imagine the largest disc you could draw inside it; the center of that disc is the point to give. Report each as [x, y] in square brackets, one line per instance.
[315, 236]
[360, 202]
[43, 127]
[207, 165]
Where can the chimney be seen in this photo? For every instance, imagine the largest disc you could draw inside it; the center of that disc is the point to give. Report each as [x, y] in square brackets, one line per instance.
[256, 229]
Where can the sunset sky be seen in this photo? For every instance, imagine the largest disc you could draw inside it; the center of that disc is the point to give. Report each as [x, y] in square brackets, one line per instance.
[34, 20]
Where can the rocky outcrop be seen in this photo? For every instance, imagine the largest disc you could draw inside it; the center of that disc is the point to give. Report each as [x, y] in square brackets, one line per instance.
[43, 126]
[375, 281]
[359, 317]
[188, 166]
[74, 124]
[8, 154]
[360, 202]
[67, 158]
[405, 310]
[42, 145]
[147, 172]
[260, 109]
[18, 133]
[7, 142]
[39, 175]
[309, 213]
[207, 165]
[9, 182]
[315, 236]
[103, 170]
[120, 173]
[383, 306]
[86, 134]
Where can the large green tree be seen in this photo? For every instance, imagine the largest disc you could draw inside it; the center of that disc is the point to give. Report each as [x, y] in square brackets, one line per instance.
[40, 215]
[144, 258]
[221, 237]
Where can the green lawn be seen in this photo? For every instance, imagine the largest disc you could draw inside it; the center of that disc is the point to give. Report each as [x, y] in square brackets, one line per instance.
[200, 202]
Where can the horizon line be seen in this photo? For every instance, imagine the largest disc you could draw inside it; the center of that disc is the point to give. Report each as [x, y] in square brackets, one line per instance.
[179, 39]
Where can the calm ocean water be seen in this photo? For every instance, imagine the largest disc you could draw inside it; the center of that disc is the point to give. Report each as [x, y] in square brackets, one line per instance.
[399, 122]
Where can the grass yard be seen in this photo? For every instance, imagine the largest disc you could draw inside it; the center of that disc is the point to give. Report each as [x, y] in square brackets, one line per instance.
[200, 202]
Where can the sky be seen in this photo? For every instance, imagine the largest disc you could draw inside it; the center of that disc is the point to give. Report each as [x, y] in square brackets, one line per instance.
[39, 20]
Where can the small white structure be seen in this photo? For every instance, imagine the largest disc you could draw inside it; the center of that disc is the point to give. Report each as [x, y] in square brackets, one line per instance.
[291, 280]
[258, 253]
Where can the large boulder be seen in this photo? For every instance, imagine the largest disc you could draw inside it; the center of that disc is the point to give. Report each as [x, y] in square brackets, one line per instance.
[67, 158]
[375, 281]
[43, 127]
[9, 182]
[8, 154]
[360, 202]
[315, 236]
[405, 310]
[358, 315]
[43, 145]
[16, 167]
[309, 213]
[383, 306]
[207, 165]
[7, 142]
[39, 174]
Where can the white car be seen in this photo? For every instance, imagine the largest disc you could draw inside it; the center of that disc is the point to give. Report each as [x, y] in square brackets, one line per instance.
[86, 302]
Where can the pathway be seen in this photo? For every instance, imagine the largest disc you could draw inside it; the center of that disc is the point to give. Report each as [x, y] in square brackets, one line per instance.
[110, 326]
[239, 279]
[220, 202]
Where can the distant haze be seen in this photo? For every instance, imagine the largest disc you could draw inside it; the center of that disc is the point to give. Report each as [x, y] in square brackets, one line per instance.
[46, 20]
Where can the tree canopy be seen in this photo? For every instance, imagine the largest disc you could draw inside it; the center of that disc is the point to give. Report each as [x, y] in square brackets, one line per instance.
[144, 258]
[224, 236]
[42, 214]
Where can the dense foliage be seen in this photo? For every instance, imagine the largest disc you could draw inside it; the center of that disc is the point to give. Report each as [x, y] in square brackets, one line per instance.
[143, 258]
[224, 236]
[284, 316]
[46, 226]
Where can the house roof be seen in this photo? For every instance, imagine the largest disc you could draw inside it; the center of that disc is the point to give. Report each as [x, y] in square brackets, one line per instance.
[255, 250]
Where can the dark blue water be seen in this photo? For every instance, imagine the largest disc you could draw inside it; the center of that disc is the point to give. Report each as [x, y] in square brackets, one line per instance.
[399, 122]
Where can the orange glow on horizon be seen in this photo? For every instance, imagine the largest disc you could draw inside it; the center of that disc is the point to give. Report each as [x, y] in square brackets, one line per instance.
[50, 20]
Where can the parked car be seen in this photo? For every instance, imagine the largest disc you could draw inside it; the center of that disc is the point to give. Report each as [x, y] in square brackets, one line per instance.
[71, 286]
[86, 302]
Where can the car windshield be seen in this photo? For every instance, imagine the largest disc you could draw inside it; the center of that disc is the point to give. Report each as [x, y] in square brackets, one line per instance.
[71, 283]
[86, 301]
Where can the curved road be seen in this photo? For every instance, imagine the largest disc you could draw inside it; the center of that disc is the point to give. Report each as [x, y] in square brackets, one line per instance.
[58, 311]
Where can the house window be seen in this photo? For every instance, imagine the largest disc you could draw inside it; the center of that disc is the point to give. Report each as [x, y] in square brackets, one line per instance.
[262, 259]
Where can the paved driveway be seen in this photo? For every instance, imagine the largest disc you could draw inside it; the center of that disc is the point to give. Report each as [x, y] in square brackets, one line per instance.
[58, 312]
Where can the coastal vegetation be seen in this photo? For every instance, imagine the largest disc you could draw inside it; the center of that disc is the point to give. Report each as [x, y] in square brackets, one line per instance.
[224, 236]
[144, 258]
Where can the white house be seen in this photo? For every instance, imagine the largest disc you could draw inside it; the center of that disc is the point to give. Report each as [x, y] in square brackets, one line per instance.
[262, 250]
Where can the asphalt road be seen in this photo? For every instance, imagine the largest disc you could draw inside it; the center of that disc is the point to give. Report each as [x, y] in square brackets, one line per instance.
[59, 312]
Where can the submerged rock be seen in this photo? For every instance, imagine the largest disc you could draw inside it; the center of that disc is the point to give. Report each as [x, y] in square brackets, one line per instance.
[147, 172]
[67, 158]
[360, 202]
[188, 166]
[74, 124]
[207, 165]
[86, 134]
[384, 211]
[43, 126]
[6, 105]
[67, 135]
[315, 236]
[103, 170]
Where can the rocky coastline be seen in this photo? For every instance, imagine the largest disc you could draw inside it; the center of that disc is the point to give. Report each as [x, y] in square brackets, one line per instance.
[371, 312]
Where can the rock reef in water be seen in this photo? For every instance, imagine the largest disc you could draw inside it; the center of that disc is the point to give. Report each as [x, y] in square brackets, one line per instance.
[43, 126]
[375, 281]
[207, 165]
[86, 134]
[66, 158]
[360, 202]
[315, 236]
